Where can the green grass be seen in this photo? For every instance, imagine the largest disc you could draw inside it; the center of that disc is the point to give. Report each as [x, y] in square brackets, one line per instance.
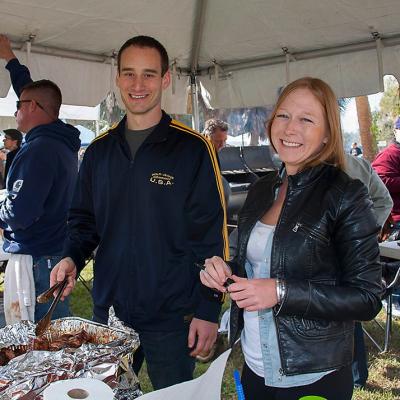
[81, 300]
[384, 370]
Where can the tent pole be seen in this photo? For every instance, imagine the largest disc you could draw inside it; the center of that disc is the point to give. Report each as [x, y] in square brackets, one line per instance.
[29, 49]
[201, 7]
[306, 55]
[287, 62]
[379, 46]
[195, 103]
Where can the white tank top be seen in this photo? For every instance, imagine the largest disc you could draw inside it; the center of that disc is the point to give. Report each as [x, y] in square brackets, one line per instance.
[256, 255]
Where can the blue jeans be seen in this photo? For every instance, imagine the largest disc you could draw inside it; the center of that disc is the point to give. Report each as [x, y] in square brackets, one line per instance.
[167, 356]
[42, 267]
[360, 364]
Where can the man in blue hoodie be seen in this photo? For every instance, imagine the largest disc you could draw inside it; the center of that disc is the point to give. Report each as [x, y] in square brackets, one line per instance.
[41, 179]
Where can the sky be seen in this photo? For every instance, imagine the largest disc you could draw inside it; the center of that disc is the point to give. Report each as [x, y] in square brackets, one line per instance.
[349, 117]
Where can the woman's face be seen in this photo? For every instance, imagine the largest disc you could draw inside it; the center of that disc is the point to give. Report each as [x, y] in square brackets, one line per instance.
[299, 129]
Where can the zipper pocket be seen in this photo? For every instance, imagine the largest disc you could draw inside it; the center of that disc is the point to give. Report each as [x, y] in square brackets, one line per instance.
[311, 232]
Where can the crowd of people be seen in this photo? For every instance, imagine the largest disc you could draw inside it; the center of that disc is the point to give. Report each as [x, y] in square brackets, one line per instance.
[148, 202]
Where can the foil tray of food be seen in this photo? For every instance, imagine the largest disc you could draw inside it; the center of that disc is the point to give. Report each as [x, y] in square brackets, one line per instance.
[70, 348]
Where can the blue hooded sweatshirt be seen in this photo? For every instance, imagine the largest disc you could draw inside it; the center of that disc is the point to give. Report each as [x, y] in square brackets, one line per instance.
[40, 186]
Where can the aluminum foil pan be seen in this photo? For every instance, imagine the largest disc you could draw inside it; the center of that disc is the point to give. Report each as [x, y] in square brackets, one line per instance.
[26, 376]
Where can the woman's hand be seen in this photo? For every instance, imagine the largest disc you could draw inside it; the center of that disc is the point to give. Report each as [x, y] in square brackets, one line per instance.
[215, 274]
[253, 294]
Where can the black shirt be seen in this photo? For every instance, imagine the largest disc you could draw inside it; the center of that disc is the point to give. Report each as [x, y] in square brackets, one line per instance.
[136, 137]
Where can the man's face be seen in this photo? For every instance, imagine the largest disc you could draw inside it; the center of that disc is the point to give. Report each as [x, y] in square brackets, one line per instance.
[9, 143]
[23, 113]
[140, 81]
[218, 138]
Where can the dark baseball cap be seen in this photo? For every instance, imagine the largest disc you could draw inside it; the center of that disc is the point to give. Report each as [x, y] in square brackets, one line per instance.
[13, 134]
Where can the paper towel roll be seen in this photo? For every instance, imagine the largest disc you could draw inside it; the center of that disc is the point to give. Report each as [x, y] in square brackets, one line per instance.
[81, 388]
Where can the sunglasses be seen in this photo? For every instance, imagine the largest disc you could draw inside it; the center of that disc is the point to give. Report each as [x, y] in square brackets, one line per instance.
[19, 103]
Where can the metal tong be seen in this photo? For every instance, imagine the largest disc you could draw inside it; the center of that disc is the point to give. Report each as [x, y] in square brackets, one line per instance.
[44, 323]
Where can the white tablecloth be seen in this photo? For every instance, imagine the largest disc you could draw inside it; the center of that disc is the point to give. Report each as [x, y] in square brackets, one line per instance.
[390, 249]
[206, 386]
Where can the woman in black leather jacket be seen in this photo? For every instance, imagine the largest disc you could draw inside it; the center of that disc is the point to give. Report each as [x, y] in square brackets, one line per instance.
[307, 262]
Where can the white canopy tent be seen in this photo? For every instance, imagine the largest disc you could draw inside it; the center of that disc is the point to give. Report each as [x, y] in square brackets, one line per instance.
[241, 51]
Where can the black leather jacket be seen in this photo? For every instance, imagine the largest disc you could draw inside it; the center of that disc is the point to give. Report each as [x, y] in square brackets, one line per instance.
[325, 247]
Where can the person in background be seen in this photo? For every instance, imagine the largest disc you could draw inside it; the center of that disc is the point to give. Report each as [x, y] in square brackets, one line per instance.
[355, 150]
[12, 143]
[387, 166]
[217, 131]
[149, 195]
[359, 168]
[307, 261]
[40, 182]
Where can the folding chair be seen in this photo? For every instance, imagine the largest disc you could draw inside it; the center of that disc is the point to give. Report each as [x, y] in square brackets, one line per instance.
[391, 281]
[87, 284]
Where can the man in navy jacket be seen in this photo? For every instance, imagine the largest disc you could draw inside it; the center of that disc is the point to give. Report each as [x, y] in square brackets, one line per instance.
[41, 178]
[149, 195]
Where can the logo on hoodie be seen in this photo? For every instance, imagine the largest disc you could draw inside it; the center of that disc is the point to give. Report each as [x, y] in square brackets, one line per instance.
[17, 185]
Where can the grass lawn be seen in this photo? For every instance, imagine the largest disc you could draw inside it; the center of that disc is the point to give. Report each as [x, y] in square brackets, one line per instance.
[81, 300]
[384, 370]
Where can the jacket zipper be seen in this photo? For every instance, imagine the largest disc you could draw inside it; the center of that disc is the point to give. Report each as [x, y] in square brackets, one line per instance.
[281, 370]
[312, 232]
[296, 227]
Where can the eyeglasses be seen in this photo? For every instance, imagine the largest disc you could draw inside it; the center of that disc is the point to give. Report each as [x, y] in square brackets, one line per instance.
[19, 103]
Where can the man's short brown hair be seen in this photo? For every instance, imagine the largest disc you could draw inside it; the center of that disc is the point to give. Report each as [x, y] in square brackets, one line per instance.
[146, 41]
[47, 94]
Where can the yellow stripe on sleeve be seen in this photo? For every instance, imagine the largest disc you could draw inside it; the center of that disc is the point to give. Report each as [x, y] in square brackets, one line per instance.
[211, 151]
[102, 135]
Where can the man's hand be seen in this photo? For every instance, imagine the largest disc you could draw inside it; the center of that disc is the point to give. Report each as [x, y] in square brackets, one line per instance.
[6, 52]
[206, 334]
[3, 156]
[65, 268]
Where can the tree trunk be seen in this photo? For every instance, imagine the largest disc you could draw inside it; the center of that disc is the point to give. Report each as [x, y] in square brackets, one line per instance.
[365, 122]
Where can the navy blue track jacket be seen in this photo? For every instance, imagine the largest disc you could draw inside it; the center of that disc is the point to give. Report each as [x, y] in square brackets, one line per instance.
[152, 217]
[40, 184]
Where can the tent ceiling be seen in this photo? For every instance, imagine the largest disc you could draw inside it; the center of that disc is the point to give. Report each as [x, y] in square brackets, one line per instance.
[199, 33]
